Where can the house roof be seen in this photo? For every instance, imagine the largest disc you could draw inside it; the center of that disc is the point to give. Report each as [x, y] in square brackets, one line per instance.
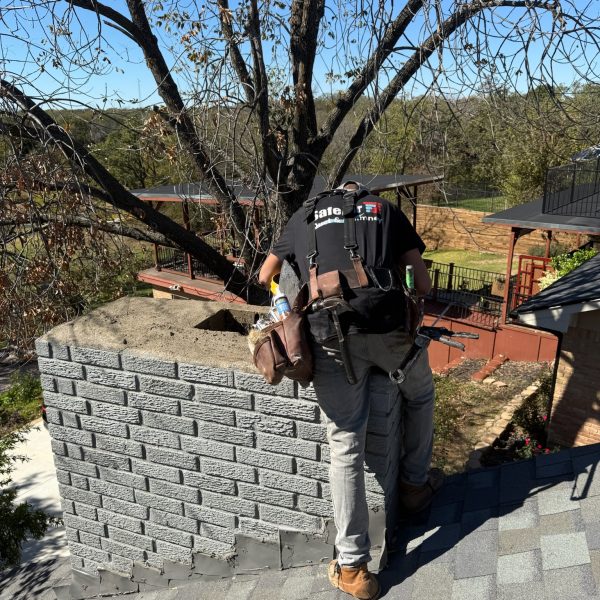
[530, 216]
[552, 308]
[197, 192]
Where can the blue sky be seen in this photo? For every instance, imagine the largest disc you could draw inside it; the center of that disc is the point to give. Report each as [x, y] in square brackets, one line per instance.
[128, 78]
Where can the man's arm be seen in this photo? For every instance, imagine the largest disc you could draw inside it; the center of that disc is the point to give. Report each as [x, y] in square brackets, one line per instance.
[270, 268]
[422, 279]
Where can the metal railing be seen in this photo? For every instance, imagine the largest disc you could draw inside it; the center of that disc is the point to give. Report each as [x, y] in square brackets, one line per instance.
[177, 261]
[573, 189]
[476, 295]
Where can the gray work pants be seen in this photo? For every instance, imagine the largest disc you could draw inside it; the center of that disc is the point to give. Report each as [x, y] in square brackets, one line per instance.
[346, 408]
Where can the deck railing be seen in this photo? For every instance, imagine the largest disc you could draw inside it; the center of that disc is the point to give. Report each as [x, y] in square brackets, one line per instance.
[573, 189]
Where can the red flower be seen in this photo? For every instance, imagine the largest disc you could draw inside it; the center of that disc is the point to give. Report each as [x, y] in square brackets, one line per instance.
[545, 417]
[547, 451]
[539, 445]
[527, 441]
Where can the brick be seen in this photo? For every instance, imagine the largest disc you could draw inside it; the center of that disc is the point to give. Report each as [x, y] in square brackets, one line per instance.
[117, 413]
[72, 535]
[93, 554]
[106, 459]
[71, 493]
[267, 460]
[281, 445]
[326, 453]
[154, 561]
[174, 553]
[266, 495]
[53, 415]
[60, 368]
[58, 448]
[149, 365]
[96, 357]
[160, 404]
[120, 521]
[76, 522]
[123, 478]
[156, 471]
[292, 483]
[211, 547]
[68, 434]
[166, 387]
[64, 402]
[207, 448]
[122, 565]
[201, 481]
[70, 420]
[289, 518]
[113, 490]
[65, 386]
[292, 409]
[111, 378]
[157, 437]
[63, 477]
[315, 506]
[85, 511]
[223, 397]
[91, 567]
[315, 432]
[48, 383]
[228, 470]
[60, 352]
[172, 458]
[172, 490]
[174, 521]
[198, 374]
[209, 515]
[120, 446]
[160, 502]
[232, 504]
[312, 469]
[215, 414]
[256, 383]
[43, 348]
[75, 466]
[220, 534]
[180, 538]
[104, 426]
[169, 422]
[79, 481]
[265, 532]
[124, 536]
[122, 549]
[121, 507]
[85, 389]
[265, 424]
[221, 433]
[89, 539]
[74, 451]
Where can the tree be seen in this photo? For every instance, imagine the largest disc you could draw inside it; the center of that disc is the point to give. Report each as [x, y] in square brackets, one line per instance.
[239, 87]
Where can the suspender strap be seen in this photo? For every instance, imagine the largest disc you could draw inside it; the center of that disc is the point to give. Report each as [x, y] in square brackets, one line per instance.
[350, 237]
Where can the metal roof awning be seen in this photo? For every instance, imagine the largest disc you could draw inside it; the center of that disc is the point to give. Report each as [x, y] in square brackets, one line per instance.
[530, 216]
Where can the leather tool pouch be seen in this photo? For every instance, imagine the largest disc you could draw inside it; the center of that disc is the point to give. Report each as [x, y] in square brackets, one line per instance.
[283, 349]
[329, 285]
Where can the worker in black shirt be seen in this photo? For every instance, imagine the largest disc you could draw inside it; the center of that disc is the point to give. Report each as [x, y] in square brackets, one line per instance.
[365, 240]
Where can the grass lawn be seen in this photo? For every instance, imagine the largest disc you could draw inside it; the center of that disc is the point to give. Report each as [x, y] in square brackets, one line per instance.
[486, 261]
[21, 402]
[489, 205]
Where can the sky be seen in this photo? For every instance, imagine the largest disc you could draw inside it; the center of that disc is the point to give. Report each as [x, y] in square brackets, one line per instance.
[127, 82]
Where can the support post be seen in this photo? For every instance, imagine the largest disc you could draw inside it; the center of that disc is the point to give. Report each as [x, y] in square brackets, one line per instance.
[186, 223]
[514, 236]
[548, 242]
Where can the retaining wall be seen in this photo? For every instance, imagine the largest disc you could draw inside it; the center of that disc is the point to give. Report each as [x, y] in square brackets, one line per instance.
[176, 460]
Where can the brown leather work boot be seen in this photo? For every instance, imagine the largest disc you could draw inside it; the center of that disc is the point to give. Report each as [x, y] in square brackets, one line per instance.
[356, 581]
[415, 498]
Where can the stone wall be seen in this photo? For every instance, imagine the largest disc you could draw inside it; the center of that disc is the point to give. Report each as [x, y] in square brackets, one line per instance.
[168, 463]
[575, 416]
[459, 228]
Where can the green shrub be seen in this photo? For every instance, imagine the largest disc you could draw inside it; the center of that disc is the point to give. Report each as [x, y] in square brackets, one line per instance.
[565, 263]
[21, 402]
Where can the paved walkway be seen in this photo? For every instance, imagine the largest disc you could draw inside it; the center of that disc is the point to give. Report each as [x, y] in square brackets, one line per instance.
[528, 529]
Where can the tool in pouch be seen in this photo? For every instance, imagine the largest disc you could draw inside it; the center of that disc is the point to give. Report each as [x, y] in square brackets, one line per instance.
[424, 335]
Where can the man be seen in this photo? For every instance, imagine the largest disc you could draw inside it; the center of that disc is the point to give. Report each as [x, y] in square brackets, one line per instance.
[335, 233]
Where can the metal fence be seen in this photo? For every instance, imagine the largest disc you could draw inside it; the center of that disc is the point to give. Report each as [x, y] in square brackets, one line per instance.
[171, 259]
[573, 189]
[476, 295]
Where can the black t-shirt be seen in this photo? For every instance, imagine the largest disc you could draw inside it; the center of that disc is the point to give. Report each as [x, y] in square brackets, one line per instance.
[383, 234]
